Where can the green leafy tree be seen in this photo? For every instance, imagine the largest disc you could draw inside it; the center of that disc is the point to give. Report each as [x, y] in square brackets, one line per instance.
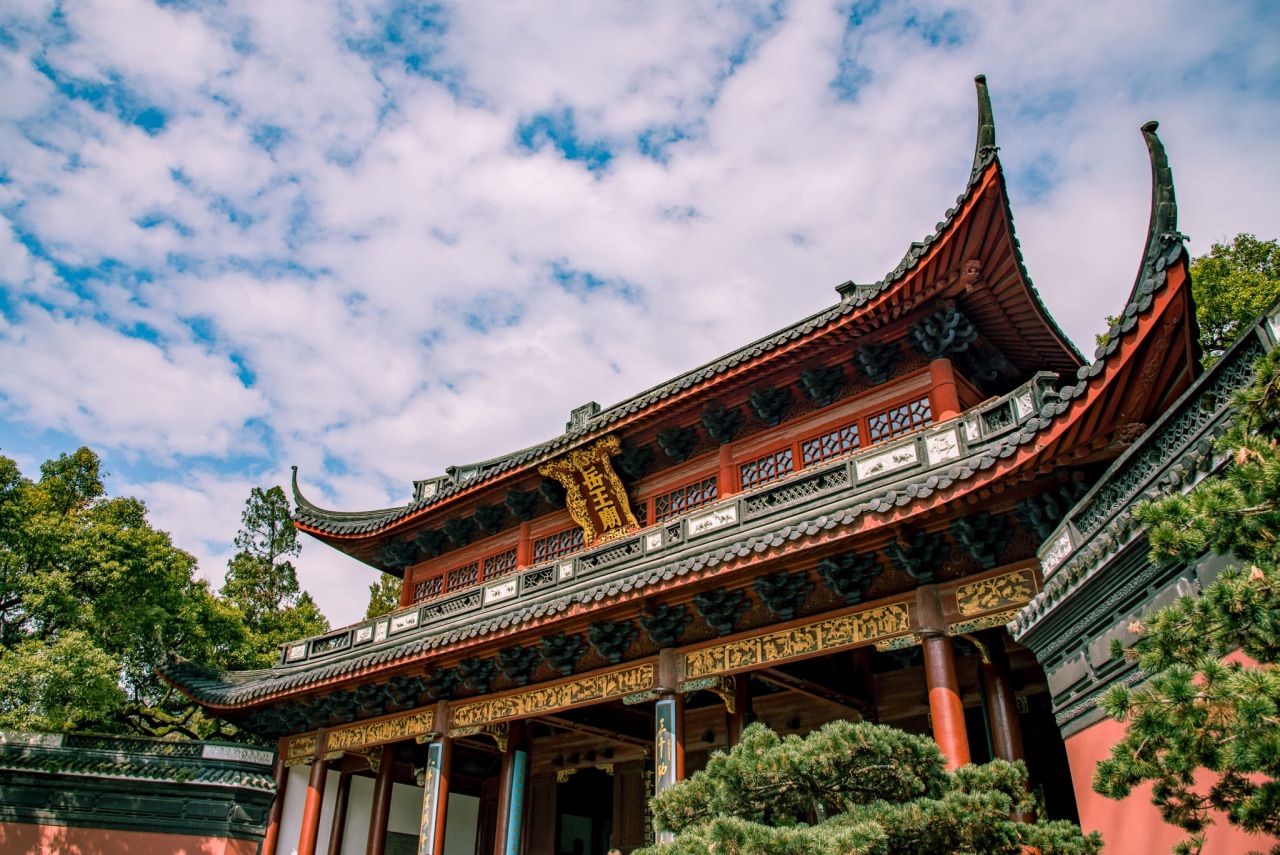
[853, 789]
[384, 596]
[60, 685]
[262, 582]
[1232, 284]
[91, 597]
[1205, 726]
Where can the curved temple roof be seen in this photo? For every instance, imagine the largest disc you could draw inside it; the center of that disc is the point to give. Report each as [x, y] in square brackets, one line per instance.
[1116, 391]
[1035, 330]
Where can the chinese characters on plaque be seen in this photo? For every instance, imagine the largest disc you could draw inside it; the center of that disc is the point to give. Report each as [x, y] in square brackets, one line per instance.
[594, 494]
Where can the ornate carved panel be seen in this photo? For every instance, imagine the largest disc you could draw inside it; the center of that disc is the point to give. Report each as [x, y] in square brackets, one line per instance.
[300, 748]
[821, 637]
[998, 592]
[614, 684]
[363, 735]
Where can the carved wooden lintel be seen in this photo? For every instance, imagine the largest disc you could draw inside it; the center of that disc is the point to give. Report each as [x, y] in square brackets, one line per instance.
[499, 732]
[724, 686]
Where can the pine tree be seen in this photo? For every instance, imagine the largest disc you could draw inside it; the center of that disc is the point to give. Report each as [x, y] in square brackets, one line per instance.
[384, 596]
[262, 582]
[853, 789]
[1204, 708]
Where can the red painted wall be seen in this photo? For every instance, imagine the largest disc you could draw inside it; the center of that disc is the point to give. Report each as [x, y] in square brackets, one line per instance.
[25, 839]
[1133, 826]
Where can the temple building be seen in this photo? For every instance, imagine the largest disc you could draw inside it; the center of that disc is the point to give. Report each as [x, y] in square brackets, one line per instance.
[839, 520]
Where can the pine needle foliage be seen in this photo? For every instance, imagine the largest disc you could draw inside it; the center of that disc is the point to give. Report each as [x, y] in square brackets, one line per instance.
[853, 789]
[1204, 728]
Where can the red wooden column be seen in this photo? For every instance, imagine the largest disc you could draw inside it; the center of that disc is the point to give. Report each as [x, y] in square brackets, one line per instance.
[742, 714]
[943, 396]
[339, 828]
[311, 809]
[524, 547]
[1002, 708]
[940, 675]
[727, 479]
[406, 589]
[511, 797]
[272, 838]
[381, 809]
[435, 792]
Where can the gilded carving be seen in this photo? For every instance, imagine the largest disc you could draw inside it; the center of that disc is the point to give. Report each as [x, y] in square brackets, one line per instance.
[818, 637]
[615, 684]
[902, 642]
[725, 687]
[377, 732]
[301, 746]
[1009, 589]
[500, 733]
[985, 622]
[594, 495]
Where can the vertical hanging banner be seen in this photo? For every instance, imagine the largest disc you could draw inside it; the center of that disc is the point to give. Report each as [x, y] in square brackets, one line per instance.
[664, 752]
[594, 494]
[515, 802]
[431, 800]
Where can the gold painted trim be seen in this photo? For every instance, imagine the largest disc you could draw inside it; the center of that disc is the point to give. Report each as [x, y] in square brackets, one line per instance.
[499, 732]
[301, 748]
[991, 621]
[997, 592]
[901, 642]
[370, 733]
[547, 699]
[821, 636]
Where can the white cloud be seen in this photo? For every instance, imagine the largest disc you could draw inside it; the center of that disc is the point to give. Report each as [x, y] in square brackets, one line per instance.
[367, 247]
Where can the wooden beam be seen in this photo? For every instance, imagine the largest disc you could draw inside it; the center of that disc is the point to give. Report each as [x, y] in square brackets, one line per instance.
[815, 690]
[603, 733]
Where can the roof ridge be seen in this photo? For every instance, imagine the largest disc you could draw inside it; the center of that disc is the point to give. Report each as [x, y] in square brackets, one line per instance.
[458, 478]
[984, 150]
[1165, 245]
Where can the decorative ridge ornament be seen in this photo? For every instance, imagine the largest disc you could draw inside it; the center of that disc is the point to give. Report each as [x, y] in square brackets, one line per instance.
[985, 148]
[594, 493]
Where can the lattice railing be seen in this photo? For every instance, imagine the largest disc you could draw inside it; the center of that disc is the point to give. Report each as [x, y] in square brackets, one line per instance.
[901, 419]
[557, 545]
[769, 468]
[837, 443]
[684, 499]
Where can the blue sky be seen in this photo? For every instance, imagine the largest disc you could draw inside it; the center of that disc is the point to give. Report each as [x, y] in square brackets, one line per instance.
[378, 239]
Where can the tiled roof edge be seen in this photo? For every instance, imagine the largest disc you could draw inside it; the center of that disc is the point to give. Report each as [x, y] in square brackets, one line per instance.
[853, 297]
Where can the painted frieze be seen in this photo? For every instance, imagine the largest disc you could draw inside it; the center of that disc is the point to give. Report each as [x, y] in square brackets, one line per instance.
[363, 735]
[998, 592]
[824, 636]
[600, 687]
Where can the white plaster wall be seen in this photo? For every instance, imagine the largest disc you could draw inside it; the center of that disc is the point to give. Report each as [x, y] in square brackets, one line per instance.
[460, 827]
[295, 798]
[406, 809]
[327, 805]
[463, 819]
[359, 808]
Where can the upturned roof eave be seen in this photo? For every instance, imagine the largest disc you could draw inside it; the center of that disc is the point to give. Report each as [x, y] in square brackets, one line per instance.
[345, 529]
